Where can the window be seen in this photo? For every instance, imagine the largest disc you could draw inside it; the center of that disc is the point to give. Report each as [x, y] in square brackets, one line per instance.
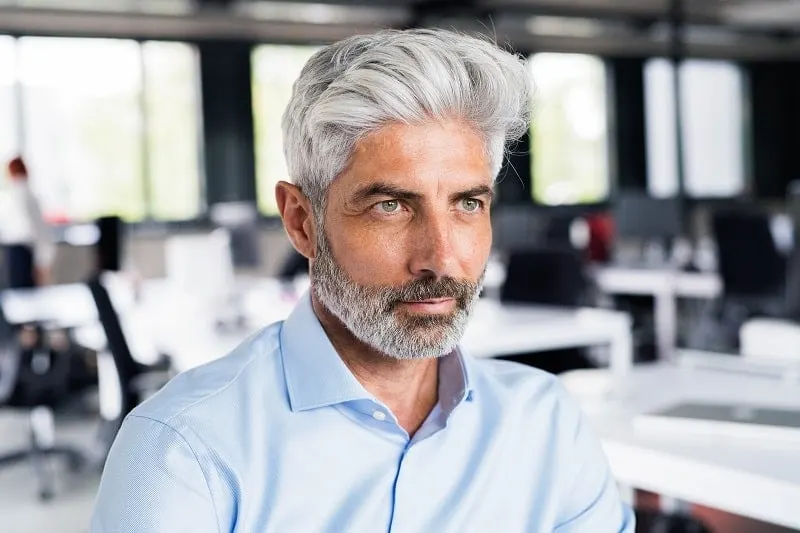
[82, 125]
[569, 129]
[712, 114]
[8, 124]
[110, 127]
[172, 111]
[275, 68]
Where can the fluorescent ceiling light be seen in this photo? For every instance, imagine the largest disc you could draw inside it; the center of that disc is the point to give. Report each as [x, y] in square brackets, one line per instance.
[303, 12]
[566, 26]
[784, 13]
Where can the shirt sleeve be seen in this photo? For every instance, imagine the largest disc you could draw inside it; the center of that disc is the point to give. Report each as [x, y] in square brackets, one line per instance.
[591, 499]
[153, 482]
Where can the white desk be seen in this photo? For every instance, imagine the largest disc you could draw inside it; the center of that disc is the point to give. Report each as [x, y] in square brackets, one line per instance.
[184, 327]
[494, 329]
[66, 306]
[665, 286]
[758, 479]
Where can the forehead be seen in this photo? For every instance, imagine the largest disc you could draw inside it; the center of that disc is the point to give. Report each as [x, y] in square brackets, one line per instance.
[435, 154]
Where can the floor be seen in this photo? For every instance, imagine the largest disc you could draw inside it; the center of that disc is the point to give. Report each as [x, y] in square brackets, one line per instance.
[20, 509]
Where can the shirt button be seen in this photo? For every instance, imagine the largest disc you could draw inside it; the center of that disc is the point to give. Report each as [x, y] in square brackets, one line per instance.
[380, 416]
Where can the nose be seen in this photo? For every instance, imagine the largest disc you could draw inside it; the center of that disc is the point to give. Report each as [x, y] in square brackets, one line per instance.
[433, 251]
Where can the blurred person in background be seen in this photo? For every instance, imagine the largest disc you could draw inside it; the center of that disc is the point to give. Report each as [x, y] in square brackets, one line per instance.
[25, 238]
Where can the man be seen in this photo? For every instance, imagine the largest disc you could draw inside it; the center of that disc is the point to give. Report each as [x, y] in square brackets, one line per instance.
[24, 235]
[359, 412]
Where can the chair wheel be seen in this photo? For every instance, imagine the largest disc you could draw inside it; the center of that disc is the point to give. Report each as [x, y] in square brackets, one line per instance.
[46, 495]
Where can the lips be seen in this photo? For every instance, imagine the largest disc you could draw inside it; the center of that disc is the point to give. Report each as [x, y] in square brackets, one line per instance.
[432, 306]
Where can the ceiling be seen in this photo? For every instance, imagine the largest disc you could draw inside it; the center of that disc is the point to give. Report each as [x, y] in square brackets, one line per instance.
[730, 28]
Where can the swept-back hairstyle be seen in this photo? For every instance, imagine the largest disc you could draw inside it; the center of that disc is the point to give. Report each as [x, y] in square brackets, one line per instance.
[357, 85]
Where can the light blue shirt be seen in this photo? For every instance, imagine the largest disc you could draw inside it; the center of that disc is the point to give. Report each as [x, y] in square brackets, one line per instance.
[279, 436]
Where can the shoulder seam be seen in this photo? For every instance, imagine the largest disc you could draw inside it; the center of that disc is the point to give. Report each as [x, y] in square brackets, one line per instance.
[218, 391]
[197, 460]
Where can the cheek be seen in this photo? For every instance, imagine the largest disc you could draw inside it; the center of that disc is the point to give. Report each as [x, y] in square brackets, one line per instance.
[473, 244]
[371, 257]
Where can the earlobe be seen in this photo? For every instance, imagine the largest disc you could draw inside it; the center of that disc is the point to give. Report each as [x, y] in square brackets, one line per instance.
[296, 214]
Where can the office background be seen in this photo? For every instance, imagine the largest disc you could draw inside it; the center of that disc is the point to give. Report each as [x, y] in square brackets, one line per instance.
[156, 111]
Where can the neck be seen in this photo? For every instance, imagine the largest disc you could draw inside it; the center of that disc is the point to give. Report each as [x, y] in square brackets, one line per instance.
[408, 387]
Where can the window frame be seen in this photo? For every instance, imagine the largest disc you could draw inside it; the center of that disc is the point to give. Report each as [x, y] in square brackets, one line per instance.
[746, 139]
[147, 225]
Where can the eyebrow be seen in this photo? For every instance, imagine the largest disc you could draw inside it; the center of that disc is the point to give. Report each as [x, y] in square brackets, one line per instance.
[384, 189]
[474, 192]
[392, 191]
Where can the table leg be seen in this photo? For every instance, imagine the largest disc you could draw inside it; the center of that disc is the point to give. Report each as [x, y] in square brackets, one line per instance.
[621, 360]
[666, 324]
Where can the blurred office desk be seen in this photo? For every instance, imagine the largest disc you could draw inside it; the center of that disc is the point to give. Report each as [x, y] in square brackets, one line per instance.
[665, 285]
[60, 305]
[65, 306]
[755, 478]
[188, 328]
[494, 328]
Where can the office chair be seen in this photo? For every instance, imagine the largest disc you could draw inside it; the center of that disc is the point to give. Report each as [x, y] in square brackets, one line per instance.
[753, 273]
[36, 379]
[548, 277]
[109, 247]
[750, 264]
[124, 382]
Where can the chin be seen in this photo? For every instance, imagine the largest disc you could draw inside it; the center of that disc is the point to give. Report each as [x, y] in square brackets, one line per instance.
[421, 343]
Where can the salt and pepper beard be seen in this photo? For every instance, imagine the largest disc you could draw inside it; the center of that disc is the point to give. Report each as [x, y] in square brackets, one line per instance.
[372, 313]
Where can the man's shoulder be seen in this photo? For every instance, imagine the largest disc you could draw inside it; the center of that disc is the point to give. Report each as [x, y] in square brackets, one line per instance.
[519, 388]
[212, 388]
[510, 378]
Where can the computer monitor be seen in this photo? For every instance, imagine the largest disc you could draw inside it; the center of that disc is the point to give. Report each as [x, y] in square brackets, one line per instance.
[642, 217]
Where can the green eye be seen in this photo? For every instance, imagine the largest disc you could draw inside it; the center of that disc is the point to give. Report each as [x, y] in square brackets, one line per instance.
[390, 206]
[471, 204]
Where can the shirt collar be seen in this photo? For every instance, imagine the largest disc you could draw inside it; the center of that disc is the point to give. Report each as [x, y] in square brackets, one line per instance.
[317, 377]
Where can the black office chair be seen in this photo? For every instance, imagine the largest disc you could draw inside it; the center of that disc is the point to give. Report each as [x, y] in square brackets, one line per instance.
[36, 379]
[750, 264]
[753, 273]
[109, 247]
[118, 369]
[548, 277]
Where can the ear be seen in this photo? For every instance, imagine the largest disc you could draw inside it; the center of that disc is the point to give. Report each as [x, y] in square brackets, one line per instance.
[297, 217]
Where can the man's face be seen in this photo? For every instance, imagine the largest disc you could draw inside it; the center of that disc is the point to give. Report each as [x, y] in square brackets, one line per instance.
[406, 237]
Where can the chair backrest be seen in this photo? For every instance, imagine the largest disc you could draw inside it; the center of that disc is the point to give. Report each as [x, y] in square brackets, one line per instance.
[750, 264]
[126, 366]
[546, 276]
[109, 246]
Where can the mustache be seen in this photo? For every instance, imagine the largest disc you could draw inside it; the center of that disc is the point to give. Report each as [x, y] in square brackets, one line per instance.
[431, 288]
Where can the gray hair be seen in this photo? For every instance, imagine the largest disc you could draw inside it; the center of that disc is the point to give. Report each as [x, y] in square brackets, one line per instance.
[362, 83]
